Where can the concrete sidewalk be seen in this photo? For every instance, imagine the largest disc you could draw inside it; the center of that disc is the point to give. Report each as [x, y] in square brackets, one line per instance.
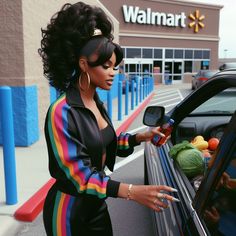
[32, 169]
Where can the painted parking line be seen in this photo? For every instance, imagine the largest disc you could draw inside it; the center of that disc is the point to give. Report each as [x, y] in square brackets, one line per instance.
[165, 91]
[165, 97]
[164, 102]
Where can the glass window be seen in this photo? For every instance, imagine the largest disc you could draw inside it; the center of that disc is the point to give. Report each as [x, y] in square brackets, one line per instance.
[223, 102]
[133, 52]
[132, 68]
[188, 54]
[126, 68]
[168, 67]
[188, 66]
[169, 53]
[123, 49]
[157, 66]
[198, 54]
[196, 66]
[147, 53]
[204, 65]
[178, 53]
[157, 53]
[206, 54]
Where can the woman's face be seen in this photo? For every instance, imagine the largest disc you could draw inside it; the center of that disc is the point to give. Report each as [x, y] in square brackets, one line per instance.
[102, 76]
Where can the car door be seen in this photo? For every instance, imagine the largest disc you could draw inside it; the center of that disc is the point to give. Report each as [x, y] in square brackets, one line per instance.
[182, 218]
[215, 199]
[195, 225]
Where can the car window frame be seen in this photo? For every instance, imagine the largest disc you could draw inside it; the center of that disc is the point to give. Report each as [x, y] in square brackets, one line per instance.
[221, 82]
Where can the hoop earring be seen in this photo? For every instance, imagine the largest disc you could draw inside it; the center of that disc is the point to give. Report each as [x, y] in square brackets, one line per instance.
[88, 81]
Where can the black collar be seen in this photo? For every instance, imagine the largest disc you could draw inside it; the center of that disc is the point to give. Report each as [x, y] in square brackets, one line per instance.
[74, 99]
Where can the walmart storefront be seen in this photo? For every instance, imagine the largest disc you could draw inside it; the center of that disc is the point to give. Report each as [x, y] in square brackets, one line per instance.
[173, 38]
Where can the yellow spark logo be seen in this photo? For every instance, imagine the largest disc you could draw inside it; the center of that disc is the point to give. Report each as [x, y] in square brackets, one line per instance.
[196, 21]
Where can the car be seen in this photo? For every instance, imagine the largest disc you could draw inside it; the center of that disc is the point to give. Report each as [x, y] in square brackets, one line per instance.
[207, 201]
[201, 77]
[228, 65]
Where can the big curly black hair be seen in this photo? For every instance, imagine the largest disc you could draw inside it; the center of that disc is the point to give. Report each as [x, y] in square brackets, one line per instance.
[68, 36]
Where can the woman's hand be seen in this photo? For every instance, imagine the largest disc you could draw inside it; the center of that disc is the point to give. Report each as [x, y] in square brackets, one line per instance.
[148, 135]
[151, 196]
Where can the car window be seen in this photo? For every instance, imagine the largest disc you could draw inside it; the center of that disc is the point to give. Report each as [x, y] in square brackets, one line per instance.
[220, 213]
[209, 74]
[222, 103]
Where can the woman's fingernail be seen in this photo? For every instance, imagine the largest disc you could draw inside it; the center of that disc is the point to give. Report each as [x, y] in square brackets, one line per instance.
[174, 190]
[175, 199]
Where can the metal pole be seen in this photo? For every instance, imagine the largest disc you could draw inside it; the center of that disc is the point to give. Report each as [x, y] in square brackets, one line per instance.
[8, 145]
[142, 89]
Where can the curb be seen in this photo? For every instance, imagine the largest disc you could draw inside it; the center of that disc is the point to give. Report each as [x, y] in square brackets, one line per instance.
[34, 205]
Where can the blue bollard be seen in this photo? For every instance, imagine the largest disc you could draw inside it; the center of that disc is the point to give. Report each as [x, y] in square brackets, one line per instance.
[142, 89]
[137, 84]
[145, 88]
[132, 95]
[8, 145]
[109, 104]
[119, 100]
[126, 97]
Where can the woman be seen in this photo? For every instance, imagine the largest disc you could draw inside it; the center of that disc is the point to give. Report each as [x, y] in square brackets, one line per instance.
[78, 56]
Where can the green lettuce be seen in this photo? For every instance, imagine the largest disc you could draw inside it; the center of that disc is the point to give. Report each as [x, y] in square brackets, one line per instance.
[189, 159]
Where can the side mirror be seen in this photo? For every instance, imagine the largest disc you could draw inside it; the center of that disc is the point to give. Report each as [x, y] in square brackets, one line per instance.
[153, 116]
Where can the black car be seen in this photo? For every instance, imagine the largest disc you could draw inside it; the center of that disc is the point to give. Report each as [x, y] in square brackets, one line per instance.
[207, 202]
[201, 77]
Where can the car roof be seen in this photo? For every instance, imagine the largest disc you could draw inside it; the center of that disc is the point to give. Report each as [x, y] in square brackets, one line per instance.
[227, 65]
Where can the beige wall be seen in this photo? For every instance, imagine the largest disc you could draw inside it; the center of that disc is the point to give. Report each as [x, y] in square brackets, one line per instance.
[20, 26]
[11, 43]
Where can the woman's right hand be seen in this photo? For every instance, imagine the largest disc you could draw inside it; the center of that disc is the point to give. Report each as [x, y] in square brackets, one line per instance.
[152, 196]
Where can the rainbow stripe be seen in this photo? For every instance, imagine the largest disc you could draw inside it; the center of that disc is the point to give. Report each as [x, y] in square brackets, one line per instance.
[123, 141]
[61, 214]
[65, 151]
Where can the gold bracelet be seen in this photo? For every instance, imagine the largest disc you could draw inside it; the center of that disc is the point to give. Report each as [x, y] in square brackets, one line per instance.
[129, 192]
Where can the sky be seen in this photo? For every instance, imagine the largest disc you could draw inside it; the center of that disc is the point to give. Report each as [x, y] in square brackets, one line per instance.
[227, 31]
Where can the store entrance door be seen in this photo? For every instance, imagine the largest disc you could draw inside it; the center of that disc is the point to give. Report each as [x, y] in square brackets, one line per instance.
[140, 67]
[178, 71]
[173, 72]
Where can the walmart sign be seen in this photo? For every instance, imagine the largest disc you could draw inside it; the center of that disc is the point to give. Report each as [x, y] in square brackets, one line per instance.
[136, 15]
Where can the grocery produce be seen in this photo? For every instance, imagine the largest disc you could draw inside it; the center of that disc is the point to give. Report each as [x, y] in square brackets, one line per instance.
[199, 143]
[213, 143]
[189, 158]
